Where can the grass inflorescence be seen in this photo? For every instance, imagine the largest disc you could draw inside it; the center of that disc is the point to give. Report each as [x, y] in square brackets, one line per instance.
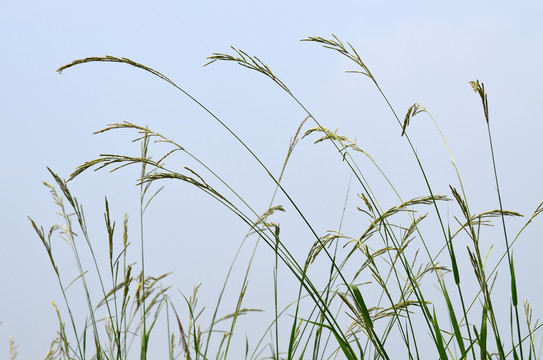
[367, 309]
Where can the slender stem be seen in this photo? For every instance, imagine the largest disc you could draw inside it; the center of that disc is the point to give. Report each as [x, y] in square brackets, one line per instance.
[505, 235]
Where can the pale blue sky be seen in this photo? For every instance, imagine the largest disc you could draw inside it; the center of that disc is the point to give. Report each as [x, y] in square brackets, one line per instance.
[419, 51]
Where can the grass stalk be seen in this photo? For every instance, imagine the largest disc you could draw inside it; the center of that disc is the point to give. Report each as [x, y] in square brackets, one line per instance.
[335, 316]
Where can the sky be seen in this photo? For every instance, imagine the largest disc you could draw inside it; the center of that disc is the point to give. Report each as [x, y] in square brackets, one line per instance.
[418, 51]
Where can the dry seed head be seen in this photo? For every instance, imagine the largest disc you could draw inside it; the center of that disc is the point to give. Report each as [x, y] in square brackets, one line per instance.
[412, 111]
[479, 88]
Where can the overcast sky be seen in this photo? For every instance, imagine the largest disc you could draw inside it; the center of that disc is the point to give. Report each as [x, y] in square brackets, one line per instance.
[419, 51]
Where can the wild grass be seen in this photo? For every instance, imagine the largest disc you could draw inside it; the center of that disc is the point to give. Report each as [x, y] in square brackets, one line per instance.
[376, 301]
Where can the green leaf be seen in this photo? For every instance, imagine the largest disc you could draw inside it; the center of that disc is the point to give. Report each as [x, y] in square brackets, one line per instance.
[454, 321]
[513, 283]
[439, 338]
[361, 305]
[344, 345]
[482, 335]
[453, 260]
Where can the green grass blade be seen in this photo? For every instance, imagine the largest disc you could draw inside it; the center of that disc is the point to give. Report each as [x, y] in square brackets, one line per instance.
[454, 322]
[344, 345]
[439, 339]
[361, 305]
[483, 334]
[453, 260]
[513, 283]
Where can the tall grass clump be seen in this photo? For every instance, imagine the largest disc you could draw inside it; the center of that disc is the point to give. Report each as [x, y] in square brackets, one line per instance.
[378, 299]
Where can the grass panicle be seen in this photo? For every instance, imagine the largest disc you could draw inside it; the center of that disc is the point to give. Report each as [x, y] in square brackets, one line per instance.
[376, 299]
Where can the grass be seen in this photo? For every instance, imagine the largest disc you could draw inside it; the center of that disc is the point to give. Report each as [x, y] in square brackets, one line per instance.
[377, 299]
